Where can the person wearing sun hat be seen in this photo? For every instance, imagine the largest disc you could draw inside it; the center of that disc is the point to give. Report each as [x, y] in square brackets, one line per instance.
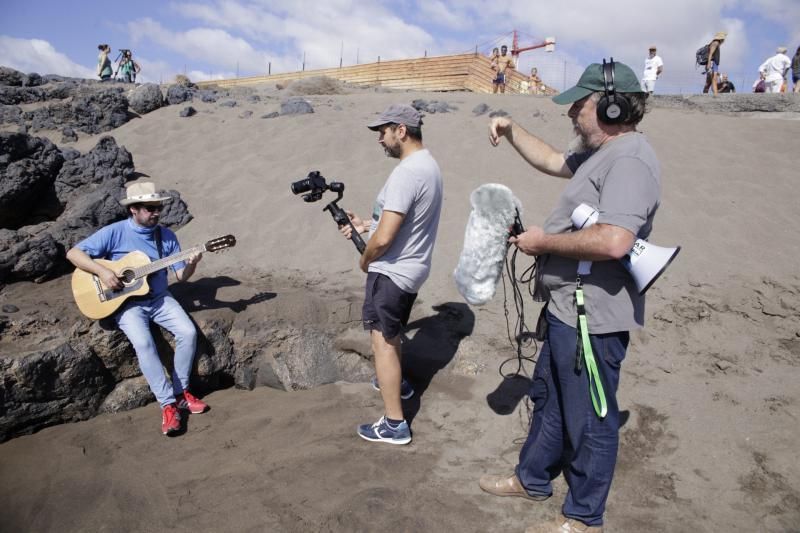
[712, 68]
[142, 232]
[612, 168]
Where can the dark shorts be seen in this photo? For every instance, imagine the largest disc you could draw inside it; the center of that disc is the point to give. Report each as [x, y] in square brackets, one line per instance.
[386, 306]
[500, 79]
[795, 78]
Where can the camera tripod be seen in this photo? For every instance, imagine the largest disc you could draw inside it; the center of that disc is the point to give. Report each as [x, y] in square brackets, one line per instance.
[122, 58]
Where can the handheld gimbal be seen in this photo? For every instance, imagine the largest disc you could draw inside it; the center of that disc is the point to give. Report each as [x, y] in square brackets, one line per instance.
[314, 185]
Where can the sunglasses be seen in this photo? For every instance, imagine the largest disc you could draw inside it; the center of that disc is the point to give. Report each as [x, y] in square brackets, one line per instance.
[153, 208]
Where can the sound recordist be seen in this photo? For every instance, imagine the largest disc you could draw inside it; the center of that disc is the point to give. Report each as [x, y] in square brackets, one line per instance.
[575, 426]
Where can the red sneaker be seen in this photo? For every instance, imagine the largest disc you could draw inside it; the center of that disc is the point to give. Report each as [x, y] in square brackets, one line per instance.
[191, 403]
[170, 420]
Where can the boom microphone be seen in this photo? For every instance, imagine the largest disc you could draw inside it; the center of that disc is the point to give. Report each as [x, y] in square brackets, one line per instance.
[495, 209]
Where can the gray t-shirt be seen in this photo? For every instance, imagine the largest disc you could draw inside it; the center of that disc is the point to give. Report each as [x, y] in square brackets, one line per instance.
[414, 188]
[622, 179]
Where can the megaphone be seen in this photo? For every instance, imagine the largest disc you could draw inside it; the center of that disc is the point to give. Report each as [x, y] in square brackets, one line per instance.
[645, 261]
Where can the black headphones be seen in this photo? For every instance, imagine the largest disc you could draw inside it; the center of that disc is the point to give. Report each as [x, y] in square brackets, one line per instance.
[612, 108]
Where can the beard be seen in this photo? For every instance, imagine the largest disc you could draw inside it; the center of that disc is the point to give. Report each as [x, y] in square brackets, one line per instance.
[393, 151]
[578, 144]
[582, 142]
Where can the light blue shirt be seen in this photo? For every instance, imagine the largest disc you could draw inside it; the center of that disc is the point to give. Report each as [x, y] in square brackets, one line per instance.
[120, 238]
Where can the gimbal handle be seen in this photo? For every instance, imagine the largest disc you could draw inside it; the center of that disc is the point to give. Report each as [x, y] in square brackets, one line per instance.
[341, 219]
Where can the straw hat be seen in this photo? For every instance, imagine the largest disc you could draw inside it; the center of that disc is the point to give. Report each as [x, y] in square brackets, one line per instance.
[781, 50]
[720, 36]
[143, 192]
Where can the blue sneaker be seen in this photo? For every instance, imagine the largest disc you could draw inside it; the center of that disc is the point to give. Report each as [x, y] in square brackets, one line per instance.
[380, 431]
[406, 390]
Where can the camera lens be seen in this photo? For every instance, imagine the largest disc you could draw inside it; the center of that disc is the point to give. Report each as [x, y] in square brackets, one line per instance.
[301, 186]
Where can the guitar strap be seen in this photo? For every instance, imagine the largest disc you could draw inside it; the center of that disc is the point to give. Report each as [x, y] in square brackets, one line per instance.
[159, 245]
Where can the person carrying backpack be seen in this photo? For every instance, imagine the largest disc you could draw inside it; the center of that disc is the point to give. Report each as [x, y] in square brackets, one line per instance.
[712, 61]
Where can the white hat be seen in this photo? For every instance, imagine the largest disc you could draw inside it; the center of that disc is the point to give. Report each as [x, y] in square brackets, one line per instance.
[781, 50]
[143, 192]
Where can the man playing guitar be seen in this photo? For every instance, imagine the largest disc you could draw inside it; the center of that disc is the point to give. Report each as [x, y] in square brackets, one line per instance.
[141, 232]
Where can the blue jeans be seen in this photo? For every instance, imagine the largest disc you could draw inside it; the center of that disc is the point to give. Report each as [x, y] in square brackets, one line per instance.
[566, 434]
[134, 319]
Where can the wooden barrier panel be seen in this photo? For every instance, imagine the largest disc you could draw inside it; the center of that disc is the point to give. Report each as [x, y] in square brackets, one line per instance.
[460, 72]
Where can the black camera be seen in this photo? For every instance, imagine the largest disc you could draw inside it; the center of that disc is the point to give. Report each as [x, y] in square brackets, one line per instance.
[314, 185]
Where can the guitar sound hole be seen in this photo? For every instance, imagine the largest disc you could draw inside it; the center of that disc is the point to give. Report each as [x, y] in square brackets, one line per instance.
[127, 276]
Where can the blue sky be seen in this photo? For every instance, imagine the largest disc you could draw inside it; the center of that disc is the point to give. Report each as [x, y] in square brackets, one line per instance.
[218, 38]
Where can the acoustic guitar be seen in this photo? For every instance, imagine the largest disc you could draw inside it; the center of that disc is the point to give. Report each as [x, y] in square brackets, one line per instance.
[96, 300]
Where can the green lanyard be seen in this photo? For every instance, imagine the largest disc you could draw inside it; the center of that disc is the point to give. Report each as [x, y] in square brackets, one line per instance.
[585, 354]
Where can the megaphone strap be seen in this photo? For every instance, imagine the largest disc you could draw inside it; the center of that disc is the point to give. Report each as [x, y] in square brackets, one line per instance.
[586, 355]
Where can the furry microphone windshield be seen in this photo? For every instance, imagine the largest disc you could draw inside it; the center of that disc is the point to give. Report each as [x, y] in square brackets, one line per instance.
[494, 209]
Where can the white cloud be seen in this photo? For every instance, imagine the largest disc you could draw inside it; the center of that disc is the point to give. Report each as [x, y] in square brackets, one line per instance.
[198, 75]
[251, 21]
[213, 46]
[439, 13]
[318, 29]
[154, 71]
[36, 55]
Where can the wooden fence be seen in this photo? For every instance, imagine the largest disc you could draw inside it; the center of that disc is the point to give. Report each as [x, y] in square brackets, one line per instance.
[443, 73]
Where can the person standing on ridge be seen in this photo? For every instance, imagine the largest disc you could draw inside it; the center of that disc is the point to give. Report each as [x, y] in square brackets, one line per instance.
[653, 67]
[773, 71]
[504, 63]
[712, 66]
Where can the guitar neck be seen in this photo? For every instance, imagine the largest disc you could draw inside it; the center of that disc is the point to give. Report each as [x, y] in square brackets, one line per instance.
[164, 262]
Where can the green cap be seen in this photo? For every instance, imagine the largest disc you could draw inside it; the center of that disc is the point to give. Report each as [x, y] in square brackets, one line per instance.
[592, 81]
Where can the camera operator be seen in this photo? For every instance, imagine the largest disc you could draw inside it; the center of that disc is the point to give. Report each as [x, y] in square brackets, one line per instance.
[397, 258]
[128, 67]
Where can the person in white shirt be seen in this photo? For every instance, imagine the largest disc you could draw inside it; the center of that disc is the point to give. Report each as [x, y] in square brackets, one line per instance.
[653, 66]
[773, 70]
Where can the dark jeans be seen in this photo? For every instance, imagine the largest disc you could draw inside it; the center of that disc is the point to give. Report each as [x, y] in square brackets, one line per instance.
[566, 434]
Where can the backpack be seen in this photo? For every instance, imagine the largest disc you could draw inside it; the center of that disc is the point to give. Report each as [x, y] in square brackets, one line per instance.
[701, 56]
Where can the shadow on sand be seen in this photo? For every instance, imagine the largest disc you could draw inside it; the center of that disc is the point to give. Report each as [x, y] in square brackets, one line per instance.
[433, 346]
[202, 294]
[511, 391]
